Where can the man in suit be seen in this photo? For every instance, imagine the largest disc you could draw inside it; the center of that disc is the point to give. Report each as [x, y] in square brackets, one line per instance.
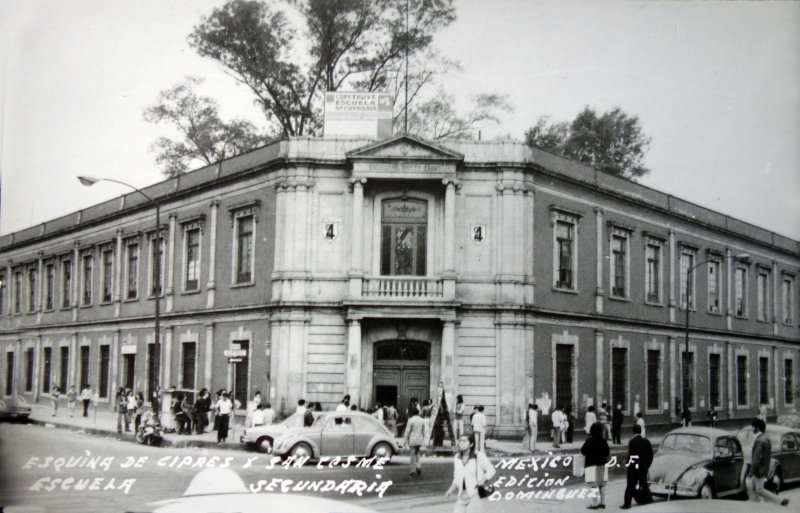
[640, 456]
[759, 468]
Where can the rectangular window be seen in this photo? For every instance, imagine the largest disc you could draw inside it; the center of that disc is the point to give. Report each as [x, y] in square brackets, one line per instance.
[619, 266]
[66, 283]
[653, 378]
[29, 369]
[714, 285]
[619, 376]
[763, 380]
[762, 295]
[132, 262]
[188, 365]
[50, 286]
[84, 374]
[32, 290]
[244, 249]
[3, 287]
[564, 266]
[64, 369]
[653, 273]
[786, 302]
[152, 370]
[740, 291]
[192, 280]
[688, 376]
[129, 370]
[105, 361]
[47, 366]
[157, 266]
[242, 375]
[18, 292]
[714, 379]
[563, 375]
[86, 285]
[9, 373]
[108, 275]
[687, 280]
[741, 380]
[788, 379]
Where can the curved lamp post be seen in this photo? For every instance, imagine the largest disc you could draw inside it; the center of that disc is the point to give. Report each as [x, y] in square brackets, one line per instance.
[685, 387]
[89, 181]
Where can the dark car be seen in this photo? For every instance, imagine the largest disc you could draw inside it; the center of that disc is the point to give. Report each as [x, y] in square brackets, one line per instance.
[14, 408]
[338, 434]
[785, 463]
[698, 462]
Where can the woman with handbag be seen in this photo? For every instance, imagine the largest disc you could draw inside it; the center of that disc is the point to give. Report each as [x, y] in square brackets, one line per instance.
[471, 473]
[596, 451]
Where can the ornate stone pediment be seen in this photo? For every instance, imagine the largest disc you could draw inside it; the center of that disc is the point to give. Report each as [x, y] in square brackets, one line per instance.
[404, 156]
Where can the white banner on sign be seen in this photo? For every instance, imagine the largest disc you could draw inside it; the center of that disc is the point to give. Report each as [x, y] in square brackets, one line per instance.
[358, 114]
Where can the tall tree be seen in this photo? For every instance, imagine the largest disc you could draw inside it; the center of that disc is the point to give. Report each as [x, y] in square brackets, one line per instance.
[612, 142]
[360, 44]
[437, 117]
[203, 136]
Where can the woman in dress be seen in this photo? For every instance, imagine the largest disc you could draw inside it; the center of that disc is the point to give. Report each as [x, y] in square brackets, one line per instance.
[596, 451]
[470, 470]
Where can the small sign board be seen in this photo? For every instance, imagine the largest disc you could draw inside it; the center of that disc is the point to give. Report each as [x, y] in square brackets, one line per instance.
[235, 360]
[128, 349]
[353, 114]
[235, 353]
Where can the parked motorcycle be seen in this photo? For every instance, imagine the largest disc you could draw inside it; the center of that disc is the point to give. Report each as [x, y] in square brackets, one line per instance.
[150, 432]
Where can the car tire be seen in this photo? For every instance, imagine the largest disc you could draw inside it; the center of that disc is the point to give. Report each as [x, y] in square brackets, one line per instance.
[776, 483]
[382, 450]
[706, 491]
[301, 450]
[264, 444]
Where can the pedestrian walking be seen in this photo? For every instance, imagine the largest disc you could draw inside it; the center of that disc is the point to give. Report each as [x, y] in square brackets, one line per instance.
[589, 419]
[391, 419]
[762, 412]
[155, 401]
[686, 417]
[640, 423]
[251, 407]
[269, 415]
[712, 416]
[427, 407]
[557, 418]
[471, 469]
[224, 408]
[640, 457]
[131, 406]
[55, 393]
[201, 406]
[414, 439]
[617, 417]
[459, 415]
[602, 417]
[532, 421]
[479, 429]
[139, 399]
[759, 468]
[121, 402]
[595, 450]
[569, 419]
[72, 398]
[86, 398]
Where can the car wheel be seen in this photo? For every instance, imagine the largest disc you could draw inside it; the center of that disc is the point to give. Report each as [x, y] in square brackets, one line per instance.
[264, 444]
[301, 450]
[706, 491]
[776, 483]
[382, 450]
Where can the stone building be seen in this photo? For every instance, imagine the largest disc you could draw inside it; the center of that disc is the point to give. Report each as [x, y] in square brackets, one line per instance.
[377, 269]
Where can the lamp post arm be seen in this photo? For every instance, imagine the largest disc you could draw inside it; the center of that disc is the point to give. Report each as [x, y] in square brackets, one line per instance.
[151, 200]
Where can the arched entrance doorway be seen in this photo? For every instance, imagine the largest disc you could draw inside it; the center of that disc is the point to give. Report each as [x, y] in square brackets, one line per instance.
[402, 371]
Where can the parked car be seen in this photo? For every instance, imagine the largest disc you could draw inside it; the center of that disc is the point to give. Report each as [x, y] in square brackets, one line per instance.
[350, 433]
[262, 438]
[785, 463]
[221, 490]
[14, 408]
[698, 462]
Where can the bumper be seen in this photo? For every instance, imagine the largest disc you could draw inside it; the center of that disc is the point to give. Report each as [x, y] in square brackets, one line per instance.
[671, 490]
[15, 414]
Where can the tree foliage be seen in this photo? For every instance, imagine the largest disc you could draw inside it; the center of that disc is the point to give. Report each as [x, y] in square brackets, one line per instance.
[359, 44]
[204, 137]
[437, 117]
[612, 142]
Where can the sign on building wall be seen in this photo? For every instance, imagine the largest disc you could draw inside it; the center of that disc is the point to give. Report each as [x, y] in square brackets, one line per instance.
[358, 115]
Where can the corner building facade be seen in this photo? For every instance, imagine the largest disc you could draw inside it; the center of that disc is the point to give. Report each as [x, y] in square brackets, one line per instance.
[378, 269]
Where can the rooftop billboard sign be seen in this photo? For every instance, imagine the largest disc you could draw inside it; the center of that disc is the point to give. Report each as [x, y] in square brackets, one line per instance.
[358, 115]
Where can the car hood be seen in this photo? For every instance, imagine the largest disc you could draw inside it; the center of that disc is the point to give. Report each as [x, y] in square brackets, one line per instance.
[668, 468]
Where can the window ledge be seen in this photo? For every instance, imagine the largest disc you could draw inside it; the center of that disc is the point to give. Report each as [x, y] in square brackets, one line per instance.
[568, 291]
[190, 292]
[161, 296]
[718, 313]
[243, 285]
[651, 303]
[130, 300]
[86, 306]
[49, 310]
[106, 303]
[625, 299]
[742, 317]
[763, 321]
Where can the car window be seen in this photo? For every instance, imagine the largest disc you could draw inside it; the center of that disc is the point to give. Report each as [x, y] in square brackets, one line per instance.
[365, 425]
[722, 449]
[686, 443]
[338, 422]
[789, 442]
[737, 447]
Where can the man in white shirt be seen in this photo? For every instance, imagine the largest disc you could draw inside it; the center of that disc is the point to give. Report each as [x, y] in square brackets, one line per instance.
[345, 404]
[479, 429]
[558, 418]
[301, 407]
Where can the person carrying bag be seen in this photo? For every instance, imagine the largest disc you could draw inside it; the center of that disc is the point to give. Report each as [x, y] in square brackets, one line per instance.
[472, 472]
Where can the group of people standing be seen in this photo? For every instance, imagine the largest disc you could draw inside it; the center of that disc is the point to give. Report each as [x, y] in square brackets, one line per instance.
[128, 405]
[72, 399]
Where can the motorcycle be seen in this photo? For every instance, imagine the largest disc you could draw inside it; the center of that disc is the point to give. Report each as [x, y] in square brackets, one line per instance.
[150, 432]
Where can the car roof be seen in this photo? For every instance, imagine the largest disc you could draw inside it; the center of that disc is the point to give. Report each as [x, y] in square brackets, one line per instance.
[700, 431]
[776, 428]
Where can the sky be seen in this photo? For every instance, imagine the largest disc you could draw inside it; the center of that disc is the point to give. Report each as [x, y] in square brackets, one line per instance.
[716, 85]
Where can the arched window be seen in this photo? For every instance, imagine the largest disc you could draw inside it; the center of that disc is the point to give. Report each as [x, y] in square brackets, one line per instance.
[404, 225]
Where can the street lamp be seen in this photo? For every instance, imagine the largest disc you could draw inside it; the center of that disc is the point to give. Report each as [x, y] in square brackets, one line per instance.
[684, 366]
[89, 181]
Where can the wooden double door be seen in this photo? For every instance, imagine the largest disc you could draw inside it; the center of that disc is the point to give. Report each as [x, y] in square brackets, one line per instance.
[396, 384]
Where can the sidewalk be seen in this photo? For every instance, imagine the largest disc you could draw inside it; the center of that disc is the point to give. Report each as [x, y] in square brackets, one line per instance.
[103, 422]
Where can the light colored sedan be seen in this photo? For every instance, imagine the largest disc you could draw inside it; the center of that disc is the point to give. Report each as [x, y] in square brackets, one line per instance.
[338, 434]
[263, 437]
